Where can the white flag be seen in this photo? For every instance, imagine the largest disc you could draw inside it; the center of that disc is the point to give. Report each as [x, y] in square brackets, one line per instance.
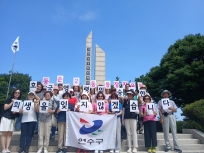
[15, 45]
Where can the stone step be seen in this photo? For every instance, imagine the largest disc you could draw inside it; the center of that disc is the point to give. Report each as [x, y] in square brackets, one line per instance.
[124, 148]
[16, 136]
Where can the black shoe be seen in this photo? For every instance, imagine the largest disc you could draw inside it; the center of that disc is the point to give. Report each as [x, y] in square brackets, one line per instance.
[59, 150]
[21, 150]
[26, 150]
[167, 149]
[64, 150]
[178, 150]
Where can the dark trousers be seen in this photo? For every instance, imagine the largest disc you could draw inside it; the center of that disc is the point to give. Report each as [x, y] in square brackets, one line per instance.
[27, 131]
[150, 133]
[53, 130]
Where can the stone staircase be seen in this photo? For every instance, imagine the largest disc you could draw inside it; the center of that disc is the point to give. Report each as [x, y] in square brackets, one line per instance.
[187, 142]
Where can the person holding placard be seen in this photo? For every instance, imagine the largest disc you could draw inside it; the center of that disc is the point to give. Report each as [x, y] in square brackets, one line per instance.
[148, 112]
[73, 100]
[7, 120]
[167, 108]
[107, 94]
[115, 107]
[84, 106]
[61, 123]
[55, 98]
[39, 92]
[45, 122]
[60, 89]
[77, 92]
[92, 95]
[130, 122]
[28, 123]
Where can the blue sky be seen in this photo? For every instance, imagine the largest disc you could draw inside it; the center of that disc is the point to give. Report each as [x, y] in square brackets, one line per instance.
[134, 34]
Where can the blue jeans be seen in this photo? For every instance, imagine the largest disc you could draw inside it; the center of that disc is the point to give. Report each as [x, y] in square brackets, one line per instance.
[27, 131]
[53, 129]
[36, 127]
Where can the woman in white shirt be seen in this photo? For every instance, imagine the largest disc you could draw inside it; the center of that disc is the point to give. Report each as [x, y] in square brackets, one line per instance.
[28, 123]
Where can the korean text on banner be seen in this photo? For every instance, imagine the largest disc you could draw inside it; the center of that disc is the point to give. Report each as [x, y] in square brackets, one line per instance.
[90, 131]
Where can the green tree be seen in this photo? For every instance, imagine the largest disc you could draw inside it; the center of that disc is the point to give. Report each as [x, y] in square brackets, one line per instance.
[18, 80]
[181, 71]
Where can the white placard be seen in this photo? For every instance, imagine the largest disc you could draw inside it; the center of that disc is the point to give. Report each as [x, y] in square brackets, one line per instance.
[150, 108]
[46, 81]
[107, 84]
[60, 79]
[66, 87]
[114, 105]
[142, 93]
[84, 106]
[119, 92]
[165, 103]
[124, 83]
[76, 81]
[43, 106]
[132, 86]
[33, 85]
[17, 105]
[63, 105]
[101, 89]
[50, 87]
[86, 89]
[27, 104]
[93, 83]
[133, 105]
[100, 106]
[139, 84]
[116, 84]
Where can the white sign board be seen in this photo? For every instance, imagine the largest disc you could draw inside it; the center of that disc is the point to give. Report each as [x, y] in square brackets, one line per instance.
[76, 81]
[86, 88]
[27, 104]
[124, 83]
[60, 79]
[116, 84]
[66, 87]
[119, 91]
[84, 106]
[142, 93]
[100, 106]
[93, 83]
[133, 105]
[165, 103]
[50, 87]
[114, 105]
[46, 81]
[63, 105]
[139, 84]
[107, 84]
[17, 105]
[132, 86]
[150, 108]
[33, 85]
[43, 106]
[101, 89]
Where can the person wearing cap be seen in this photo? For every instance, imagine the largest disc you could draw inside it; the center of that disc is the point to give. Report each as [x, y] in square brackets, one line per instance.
[73, 100]
[117, 148]
[44, 89]
[130, 122]
[84, 96]
[61, 123]
[45, 123]
[167, 119]
[28, 123]
[56, 99]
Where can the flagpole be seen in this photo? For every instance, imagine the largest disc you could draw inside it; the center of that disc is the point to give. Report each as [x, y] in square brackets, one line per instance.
[11, 74]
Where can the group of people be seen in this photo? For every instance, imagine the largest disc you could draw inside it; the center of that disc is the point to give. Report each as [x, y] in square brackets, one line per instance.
[35, 122]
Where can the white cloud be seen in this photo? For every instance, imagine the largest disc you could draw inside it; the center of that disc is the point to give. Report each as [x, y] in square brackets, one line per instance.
[88, 16]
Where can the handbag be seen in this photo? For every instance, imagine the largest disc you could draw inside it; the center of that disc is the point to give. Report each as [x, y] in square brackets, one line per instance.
[17, 123]
[54, 119]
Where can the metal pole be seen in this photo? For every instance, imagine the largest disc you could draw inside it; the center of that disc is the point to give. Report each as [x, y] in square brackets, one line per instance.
[11, 75]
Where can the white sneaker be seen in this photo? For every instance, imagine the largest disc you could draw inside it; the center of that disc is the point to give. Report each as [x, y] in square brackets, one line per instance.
[111, 151]
[129, 150]
[117, 151]
[45, 151]
[8, 151]
[96, 151]
[134, 150]
[101, 151]
[39, 151]
[4, 151]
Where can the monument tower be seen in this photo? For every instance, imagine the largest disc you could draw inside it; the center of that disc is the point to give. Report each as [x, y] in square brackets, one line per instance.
[88, 58]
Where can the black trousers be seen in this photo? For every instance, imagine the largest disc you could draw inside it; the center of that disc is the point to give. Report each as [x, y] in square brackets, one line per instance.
[150, 134]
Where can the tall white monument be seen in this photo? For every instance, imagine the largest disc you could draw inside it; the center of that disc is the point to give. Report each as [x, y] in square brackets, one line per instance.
[88, 59]
[100, 68]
